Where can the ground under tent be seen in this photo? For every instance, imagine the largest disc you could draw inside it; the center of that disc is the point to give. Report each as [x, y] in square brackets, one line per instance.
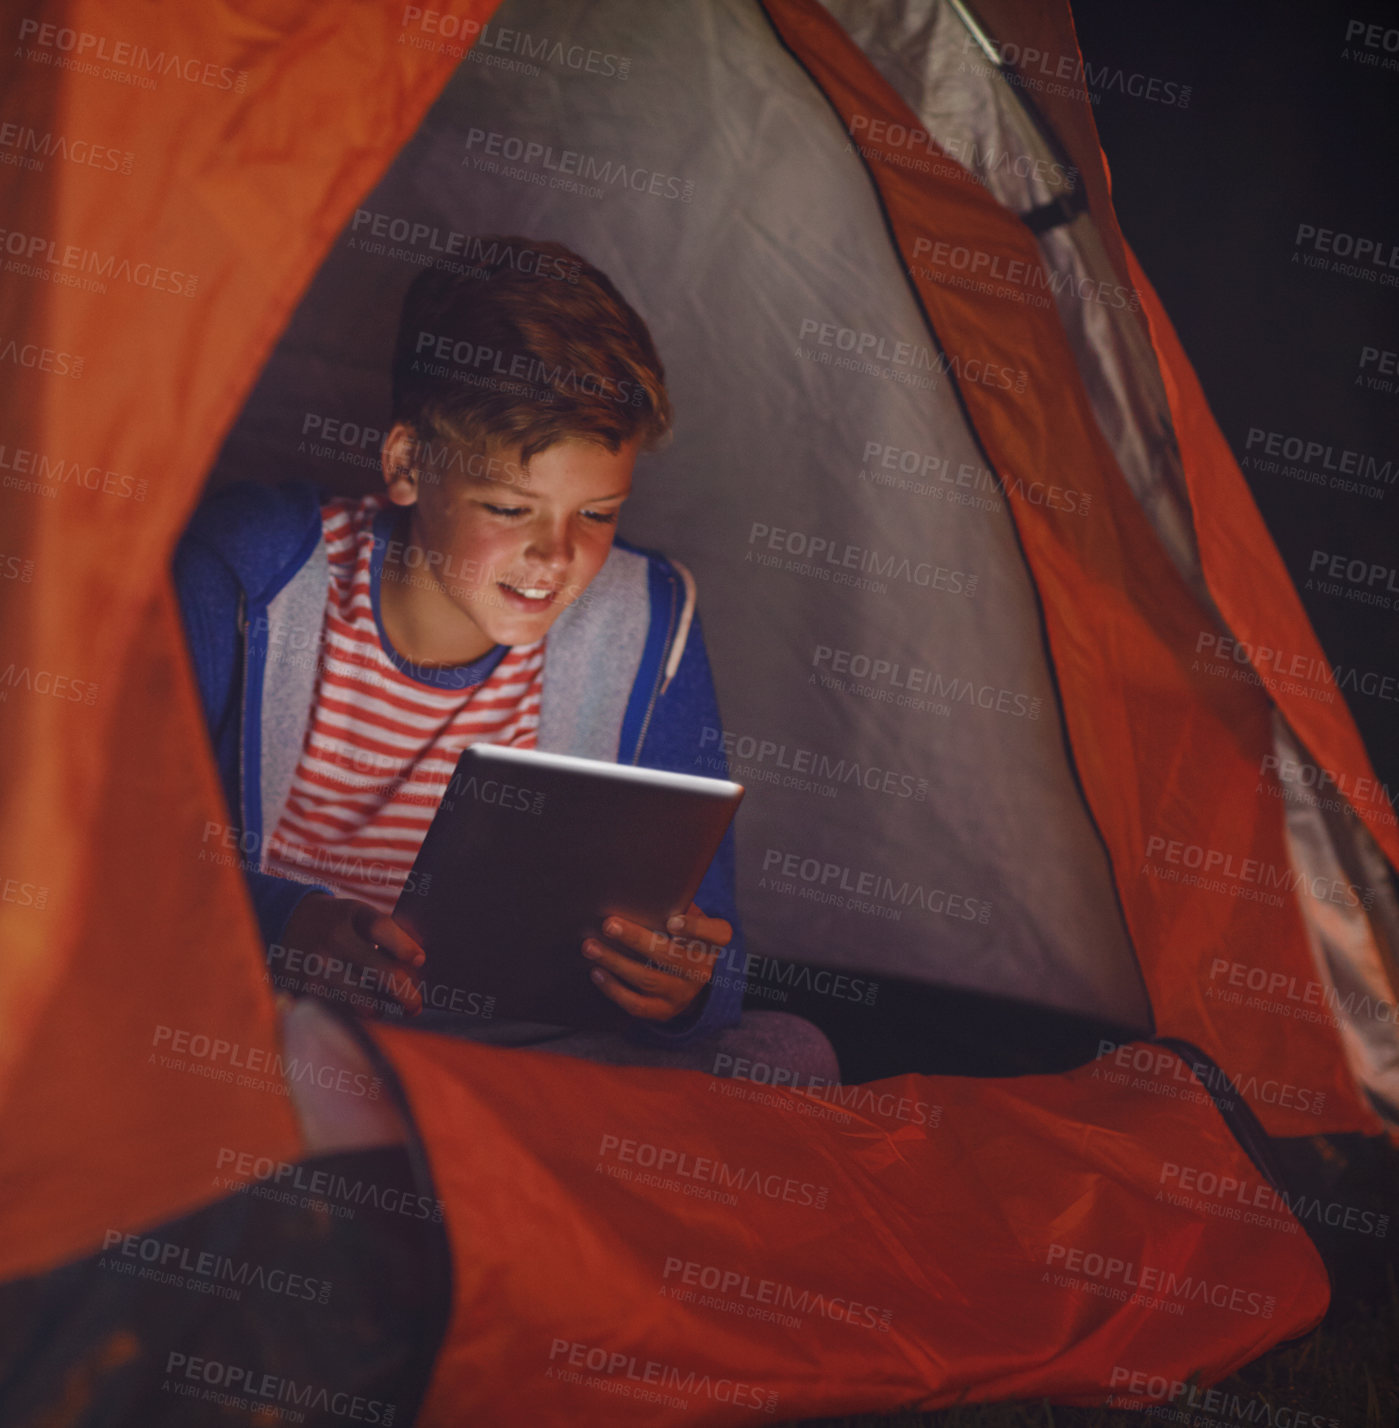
[977, 1218]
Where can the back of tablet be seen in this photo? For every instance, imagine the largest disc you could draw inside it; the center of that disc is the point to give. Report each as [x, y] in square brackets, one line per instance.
[526, 856]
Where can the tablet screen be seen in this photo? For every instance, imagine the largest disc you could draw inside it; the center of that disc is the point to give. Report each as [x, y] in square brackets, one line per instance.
[528, 853]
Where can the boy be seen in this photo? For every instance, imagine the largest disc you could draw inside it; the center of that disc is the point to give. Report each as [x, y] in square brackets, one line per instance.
[347, 650]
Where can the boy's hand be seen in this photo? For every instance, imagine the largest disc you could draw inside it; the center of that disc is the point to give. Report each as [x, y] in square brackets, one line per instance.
[685, 952]
[350, 953]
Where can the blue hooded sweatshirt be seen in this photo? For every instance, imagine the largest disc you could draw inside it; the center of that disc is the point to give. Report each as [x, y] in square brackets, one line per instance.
[626, 679]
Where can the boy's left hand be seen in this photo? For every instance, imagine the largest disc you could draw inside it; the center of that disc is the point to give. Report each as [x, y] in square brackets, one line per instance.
[686, 952]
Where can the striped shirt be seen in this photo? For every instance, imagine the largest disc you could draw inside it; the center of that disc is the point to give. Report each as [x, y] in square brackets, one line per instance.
[384, 733]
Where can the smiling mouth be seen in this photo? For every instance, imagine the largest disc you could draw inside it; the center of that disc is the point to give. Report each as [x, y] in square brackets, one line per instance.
[528, 597]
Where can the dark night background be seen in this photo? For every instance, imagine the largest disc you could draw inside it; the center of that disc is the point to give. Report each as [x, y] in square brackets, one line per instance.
[1281, 129]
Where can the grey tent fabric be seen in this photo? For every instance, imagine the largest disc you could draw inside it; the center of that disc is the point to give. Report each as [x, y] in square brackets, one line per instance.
[941, 69]
[878, 651]
[948, 70]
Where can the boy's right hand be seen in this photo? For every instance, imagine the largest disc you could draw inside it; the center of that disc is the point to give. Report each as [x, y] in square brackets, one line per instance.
[345, 951]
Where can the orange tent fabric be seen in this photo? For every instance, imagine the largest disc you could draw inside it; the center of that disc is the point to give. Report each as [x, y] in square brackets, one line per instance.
[1251, 585]
[207, 159]
[1168, 751]
[683, 1249]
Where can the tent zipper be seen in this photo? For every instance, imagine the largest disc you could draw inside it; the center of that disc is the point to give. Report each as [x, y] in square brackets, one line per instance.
[656, 684]
[243, 720]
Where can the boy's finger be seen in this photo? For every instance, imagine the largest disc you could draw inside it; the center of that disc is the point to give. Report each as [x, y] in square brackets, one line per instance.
[645, 940]
[660, 946]
[696, 923]
[378, 929]
[384, 932]
[646, 1008]
[690, 959]
[635, 974]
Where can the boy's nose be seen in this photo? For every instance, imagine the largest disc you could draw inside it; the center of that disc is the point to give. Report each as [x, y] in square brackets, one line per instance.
[550, 547]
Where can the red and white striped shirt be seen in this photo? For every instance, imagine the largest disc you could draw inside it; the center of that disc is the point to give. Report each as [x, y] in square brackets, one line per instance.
[385, 734]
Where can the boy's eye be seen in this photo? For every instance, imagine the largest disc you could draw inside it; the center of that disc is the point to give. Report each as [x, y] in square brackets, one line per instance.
[604, 518]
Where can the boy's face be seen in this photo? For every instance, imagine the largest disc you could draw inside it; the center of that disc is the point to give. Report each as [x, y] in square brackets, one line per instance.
[504, 548]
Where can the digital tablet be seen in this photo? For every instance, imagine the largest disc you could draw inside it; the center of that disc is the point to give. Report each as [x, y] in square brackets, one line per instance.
[527, 855]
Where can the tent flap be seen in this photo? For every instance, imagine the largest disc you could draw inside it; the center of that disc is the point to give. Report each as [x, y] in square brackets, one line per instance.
[671, 1247]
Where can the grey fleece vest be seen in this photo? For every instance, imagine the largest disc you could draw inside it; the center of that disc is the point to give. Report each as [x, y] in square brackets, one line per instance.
[591, 658]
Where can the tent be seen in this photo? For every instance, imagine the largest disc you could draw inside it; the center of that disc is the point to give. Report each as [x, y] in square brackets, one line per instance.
[1023, 697]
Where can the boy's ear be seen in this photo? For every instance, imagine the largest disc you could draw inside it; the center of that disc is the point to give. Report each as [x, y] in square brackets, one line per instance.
[396, 460]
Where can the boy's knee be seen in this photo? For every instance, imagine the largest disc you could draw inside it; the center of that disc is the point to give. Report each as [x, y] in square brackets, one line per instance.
[775, 1049]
